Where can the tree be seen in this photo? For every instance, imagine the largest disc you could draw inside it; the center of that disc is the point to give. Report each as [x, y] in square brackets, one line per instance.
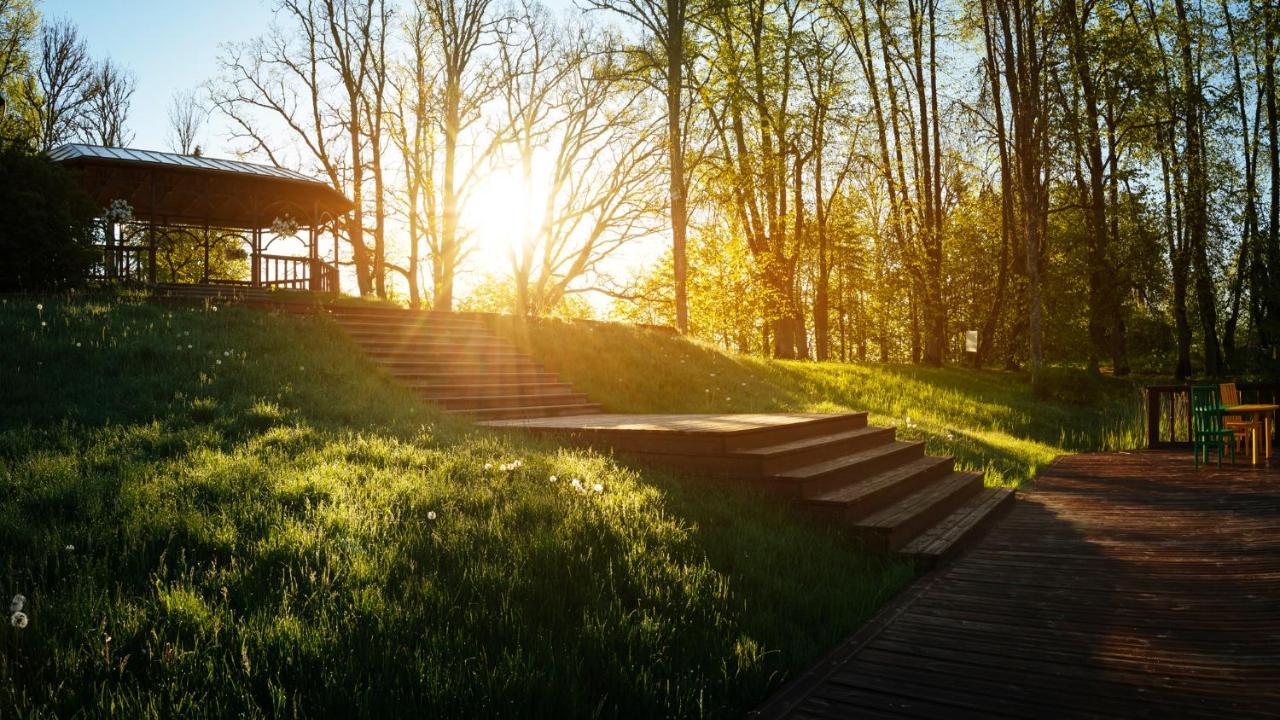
[187, 116]
[106, 114]
[307, 78]
[47, 241]
[460, 30]
[60, 87]
[665, 25]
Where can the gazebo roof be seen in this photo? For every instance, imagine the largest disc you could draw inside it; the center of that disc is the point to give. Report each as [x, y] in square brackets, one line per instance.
[188, 189]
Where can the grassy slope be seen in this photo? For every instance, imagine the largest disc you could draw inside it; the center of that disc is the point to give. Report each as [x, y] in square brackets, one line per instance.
[989, 420]
[227, 513]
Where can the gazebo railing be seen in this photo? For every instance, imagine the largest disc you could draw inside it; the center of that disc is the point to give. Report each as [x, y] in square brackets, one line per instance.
[296, 273]
[124, 263]
[1169, 410]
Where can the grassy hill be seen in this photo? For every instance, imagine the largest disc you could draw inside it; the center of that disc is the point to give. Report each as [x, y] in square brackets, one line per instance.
[230, 513]
[218, 512]
[990, 420]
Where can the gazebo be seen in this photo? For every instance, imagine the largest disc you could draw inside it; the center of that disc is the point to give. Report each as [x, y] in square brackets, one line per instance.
[186, 219]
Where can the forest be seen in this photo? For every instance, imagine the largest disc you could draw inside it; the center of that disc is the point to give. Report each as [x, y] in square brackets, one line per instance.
[1089, 182]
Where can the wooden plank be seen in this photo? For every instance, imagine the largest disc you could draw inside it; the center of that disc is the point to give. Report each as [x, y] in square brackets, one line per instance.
[1123, 585]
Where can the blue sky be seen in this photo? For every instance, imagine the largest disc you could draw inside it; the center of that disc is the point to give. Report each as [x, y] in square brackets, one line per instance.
[170, 45]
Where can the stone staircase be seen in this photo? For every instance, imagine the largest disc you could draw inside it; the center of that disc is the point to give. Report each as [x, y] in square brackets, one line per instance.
[454, 360]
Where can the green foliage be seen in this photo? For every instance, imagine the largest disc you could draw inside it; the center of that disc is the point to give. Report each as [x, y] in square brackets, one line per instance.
[988, 420]
[227, 513]
[48, 230]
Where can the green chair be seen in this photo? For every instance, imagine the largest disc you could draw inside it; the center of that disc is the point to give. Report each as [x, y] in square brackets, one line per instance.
[1207, 429]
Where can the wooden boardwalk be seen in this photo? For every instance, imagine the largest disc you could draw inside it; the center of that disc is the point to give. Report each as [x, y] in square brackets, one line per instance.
[1121, 585]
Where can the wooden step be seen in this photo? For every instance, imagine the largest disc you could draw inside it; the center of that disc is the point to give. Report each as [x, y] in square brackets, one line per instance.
[812, 480]
[864, 497]
[778, 458]
[536, 411]
[407, 324]
[893, 526]
[790, 432]
[457, 390]
[961, 527]
[483, 402]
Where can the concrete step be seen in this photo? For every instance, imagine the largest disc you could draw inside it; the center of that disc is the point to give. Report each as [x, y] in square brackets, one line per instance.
[531, 412]
[457, 390]
[485, 402]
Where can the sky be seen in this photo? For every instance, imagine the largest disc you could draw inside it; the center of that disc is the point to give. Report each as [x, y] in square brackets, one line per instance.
[170, 45]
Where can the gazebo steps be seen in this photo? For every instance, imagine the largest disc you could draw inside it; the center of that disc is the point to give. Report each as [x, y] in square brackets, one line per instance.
[533, 411]
[886, 492]
[455, 361]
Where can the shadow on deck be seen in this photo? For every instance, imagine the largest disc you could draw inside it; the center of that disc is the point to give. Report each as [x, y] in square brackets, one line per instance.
[1122, 584]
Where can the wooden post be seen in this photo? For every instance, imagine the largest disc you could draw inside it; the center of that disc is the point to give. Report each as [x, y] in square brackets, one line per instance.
[1153, 417]
[151, 231]
[205, 275]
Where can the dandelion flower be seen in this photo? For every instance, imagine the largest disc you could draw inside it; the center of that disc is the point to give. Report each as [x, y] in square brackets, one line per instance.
[44, 324]
[598, 488]
[553, 478]
[431, 514]
[18, 620]
[77, 344]
[17, 603]
[488, 466]
[39, 307]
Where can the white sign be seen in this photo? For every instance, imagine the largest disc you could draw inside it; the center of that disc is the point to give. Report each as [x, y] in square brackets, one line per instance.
[971, 341]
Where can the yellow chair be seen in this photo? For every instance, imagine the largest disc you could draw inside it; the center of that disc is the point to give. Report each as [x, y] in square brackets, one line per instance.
[1243, 427]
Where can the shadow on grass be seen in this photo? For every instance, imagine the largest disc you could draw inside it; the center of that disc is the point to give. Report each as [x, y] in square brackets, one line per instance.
[989, 420]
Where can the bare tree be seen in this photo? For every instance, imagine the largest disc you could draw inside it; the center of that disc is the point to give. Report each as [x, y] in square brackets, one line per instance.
[412, 128]
[460, 29]
[60, 88]
[106, 114]
[187, 116]
[589, 153]
[306, 78]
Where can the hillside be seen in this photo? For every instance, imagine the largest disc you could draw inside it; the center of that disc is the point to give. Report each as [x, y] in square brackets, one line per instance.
[989, 420]
[223, 512]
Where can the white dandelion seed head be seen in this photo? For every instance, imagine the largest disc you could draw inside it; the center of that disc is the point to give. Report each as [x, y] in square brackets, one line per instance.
[71, 548]
[39, 306]
[219, 362]
[77, 344]
[44, 324]
[576, 482]
[488, 466]
[431, 514]
[214, 308]
[598, 488]
[553, 478]
[18, 620]
[17, 603]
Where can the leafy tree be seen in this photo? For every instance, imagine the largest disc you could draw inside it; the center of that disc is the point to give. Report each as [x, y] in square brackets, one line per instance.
[46, 239]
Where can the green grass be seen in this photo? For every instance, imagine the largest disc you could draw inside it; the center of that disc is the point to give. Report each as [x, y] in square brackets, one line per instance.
[988, 420]
[231, 514]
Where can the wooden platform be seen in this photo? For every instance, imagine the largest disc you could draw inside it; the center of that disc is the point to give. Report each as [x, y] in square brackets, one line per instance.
[835, 466]
[1122, 585]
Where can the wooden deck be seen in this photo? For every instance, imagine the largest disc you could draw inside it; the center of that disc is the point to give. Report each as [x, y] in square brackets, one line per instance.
[1121, 585]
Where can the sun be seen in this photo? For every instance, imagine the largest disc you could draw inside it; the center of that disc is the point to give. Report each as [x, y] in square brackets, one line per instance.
[500, 215]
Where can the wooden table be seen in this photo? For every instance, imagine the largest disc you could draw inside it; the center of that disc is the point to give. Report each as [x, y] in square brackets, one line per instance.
[1267, 413]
